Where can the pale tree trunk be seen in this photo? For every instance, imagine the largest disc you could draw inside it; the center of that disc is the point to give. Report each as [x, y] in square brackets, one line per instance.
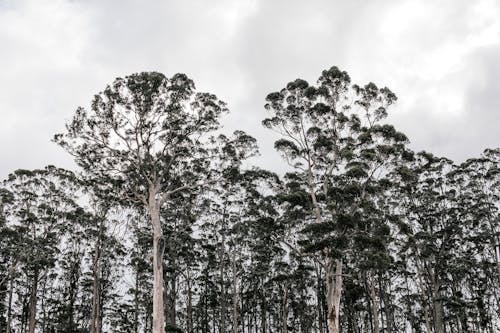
[234, 292]
[333, 274]
[334, 293]
[373, 294]
[32, 306]
[158, 248]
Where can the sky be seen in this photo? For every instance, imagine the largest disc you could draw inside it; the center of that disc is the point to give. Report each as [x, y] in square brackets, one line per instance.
[440, 57]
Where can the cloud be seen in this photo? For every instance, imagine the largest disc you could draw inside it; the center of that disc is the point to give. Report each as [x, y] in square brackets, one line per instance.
[439, 57]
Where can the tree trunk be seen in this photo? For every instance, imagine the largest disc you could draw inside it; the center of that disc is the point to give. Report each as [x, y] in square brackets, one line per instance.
[9, 309]
[32, 306]
[234, 292]
[158, 248]
[437, 302]
[319, 299]
[189, 304]
[43, 303]
[95, 326]
[388, 309]
[422, 289]
[373, 296]
[223, 307]
[334, 293]
[263, 318]
[438, 311]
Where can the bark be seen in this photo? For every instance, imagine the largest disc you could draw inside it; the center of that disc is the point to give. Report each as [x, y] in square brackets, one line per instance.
[333, 275]
[319, 299]
[9, 309]
[170, 292]
[32, 304]
[422, 290]
[264, 316]
[234, 291]
[373, 296]
[95, 326]
[43, 303]
[334, 293]
[437, 302]
[438, 312]
[223, 307]
[158, 248]
[189, 304]
[388, 309]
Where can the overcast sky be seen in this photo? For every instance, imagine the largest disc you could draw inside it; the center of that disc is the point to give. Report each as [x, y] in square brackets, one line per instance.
[441, 58]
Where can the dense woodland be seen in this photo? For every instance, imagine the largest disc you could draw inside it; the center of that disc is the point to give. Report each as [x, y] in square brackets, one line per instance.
[164, 227]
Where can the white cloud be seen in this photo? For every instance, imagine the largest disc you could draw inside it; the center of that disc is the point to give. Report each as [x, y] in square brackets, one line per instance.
[437, 57]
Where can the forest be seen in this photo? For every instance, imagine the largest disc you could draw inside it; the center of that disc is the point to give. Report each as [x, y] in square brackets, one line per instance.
[169, 225]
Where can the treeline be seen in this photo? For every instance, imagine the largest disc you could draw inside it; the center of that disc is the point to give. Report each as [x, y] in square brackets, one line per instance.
[163, 229]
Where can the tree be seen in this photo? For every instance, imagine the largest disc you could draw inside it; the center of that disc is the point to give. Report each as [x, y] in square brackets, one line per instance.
[328, 129]
[41, 211]
[149, 137]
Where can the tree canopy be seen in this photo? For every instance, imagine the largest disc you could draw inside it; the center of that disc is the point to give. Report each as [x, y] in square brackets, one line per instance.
[166, 226]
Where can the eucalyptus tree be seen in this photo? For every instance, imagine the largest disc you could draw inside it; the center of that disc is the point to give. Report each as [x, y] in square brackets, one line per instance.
[332, 130]
[481, 177]
[141, 268]
[433, 235]
[149, 136]
[9, 243]
[477, 271]
[42, 207]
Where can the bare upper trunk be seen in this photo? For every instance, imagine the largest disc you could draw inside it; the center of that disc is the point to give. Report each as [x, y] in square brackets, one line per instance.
[158, 248]
[334, 293]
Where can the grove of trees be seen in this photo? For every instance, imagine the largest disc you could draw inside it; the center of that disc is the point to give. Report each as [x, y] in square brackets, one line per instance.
[164, 226]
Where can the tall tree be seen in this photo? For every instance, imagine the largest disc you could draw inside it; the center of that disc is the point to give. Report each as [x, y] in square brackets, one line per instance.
[41, 210]
[327, 129]
[148, 135]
